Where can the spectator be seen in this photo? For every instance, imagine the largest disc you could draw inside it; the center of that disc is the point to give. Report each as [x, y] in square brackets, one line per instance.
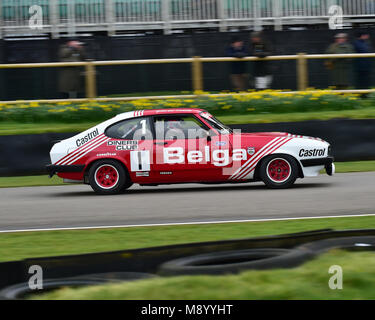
[362, 66]
[70, 80]
[262, 73]
[340, 68]
[239, 77]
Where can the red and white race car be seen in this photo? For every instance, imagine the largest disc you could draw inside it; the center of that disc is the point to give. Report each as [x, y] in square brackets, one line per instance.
[166, 146]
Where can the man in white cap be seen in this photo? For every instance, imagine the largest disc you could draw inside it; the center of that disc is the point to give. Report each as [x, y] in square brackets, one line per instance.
[262, 72]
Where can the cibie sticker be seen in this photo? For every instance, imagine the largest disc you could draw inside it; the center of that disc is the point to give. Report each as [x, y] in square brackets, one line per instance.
[250, 150]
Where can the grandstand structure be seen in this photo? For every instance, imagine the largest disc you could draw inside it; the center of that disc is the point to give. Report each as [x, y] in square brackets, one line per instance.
[71, 17]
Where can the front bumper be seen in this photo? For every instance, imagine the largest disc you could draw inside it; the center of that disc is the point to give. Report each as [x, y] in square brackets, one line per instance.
[53, 169]
[326, 162]
[317, 162]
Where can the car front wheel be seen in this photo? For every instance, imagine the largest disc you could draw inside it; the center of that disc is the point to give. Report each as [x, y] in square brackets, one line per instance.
[279, 171]
[108, 177]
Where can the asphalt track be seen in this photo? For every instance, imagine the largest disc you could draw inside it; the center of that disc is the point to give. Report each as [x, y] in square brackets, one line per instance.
[78, 206]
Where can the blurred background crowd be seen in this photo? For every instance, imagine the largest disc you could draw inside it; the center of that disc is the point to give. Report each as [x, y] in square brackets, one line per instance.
[87, 30]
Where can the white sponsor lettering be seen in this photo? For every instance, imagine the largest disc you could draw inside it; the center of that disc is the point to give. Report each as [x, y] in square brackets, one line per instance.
[194, 156]
[173, 155]
[220, 161]
[239, 154]
[220, 157]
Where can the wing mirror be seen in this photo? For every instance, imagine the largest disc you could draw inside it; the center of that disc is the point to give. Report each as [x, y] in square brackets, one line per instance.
[208, 137]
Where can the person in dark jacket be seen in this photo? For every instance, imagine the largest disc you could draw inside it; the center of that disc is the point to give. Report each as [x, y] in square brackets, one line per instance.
[262, 71]
[340, 68]
[362, 66]
[239, 76]
[70, 82]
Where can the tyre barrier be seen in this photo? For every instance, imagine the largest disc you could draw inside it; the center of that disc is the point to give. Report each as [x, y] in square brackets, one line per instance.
[260, 259]
[22, 290]
[213, 257]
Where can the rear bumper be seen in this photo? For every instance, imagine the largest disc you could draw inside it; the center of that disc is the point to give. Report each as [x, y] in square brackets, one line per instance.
[52, 169]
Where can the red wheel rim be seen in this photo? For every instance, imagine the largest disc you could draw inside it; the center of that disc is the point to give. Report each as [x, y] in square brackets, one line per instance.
[106, 176]
[278, 170]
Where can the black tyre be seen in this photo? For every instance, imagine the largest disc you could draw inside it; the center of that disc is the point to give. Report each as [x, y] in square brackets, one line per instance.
[22, 290]
[359, 243]
[279, 171]
[108, 177]
[224, 262]
[235, 261]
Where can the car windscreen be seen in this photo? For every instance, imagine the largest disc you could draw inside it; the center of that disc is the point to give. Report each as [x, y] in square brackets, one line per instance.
[215, 123]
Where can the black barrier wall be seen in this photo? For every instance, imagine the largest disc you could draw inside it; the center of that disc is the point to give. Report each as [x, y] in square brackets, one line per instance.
[27, 154]
[350, 140]
[41, 83]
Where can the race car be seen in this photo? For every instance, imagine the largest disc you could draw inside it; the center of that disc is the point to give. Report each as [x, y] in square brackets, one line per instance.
[167, 146]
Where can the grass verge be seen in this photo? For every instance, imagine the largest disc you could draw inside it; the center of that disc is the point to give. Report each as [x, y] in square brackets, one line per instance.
[298, 116]
[309, 281]
[355, 166]
[15, 128]
[44, 180]
[30, 181]
[16, 246]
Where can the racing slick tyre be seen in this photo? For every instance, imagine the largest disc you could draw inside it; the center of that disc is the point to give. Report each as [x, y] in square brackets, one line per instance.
[279, 171]
[108, 177]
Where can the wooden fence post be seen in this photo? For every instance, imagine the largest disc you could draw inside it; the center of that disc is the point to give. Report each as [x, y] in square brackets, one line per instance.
[197, 74]
[90, 76]
[302, 72]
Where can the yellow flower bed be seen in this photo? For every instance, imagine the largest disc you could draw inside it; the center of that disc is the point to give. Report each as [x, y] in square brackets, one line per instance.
[266, 101]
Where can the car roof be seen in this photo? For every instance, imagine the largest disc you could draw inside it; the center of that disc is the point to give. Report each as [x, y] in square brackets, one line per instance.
[151, 112]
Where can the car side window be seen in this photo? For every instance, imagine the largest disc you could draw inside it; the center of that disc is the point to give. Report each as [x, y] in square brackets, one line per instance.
[131, 129]
[179, 127]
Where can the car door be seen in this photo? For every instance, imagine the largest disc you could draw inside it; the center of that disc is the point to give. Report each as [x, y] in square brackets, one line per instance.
[181, 148]
[219, 142]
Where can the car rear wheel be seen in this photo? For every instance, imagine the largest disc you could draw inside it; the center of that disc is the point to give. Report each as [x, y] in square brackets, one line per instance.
[279, 171]
[108, 177]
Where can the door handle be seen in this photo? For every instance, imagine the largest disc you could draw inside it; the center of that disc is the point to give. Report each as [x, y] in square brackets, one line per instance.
[161, 143]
